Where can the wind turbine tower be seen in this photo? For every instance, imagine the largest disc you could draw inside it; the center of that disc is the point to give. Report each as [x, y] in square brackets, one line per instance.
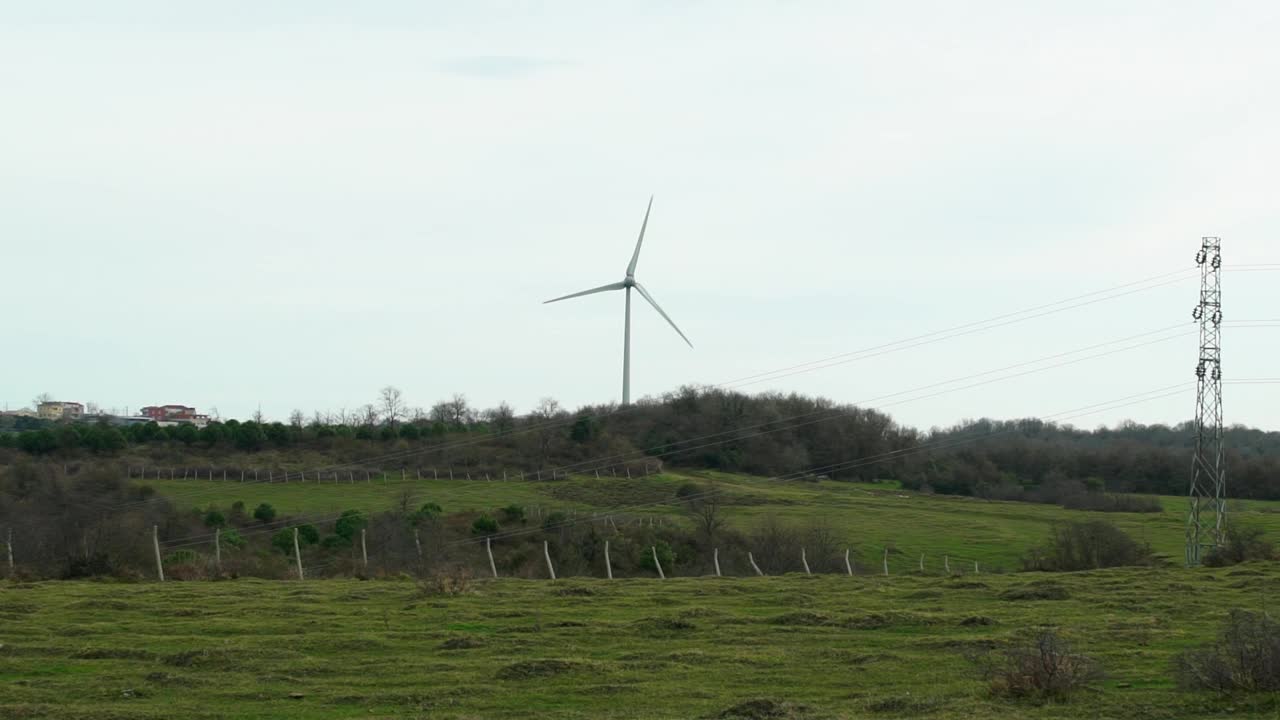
[626, 285]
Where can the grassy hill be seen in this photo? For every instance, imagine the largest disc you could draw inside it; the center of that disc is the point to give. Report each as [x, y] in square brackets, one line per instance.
[776, 647]
[867, 517]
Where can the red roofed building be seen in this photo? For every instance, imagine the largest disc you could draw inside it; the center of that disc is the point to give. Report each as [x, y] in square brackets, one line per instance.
[173, 414]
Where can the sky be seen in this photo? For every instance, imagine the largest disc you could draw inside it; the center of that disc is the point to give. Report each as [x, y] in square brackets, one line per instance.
[284, 205]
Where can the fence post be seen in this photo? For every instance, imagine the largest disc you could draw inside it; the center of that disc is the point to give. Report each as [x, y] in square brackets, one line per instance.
[417, 543]
[255, 475]
[364, 551]
[805, 561]
[715, 556]
[921, 563]
[547, 554]
[241, 474]
[597, 474]
[401, 474]
[848, 566]
[754, 565]
[450, 473]
[946, 564]
[155, 543]
[419, 473]
[304, 475]
[488, 548]
[217, 549]
[435, 474]
[657, 564]
[297, 554]
[975, 567]
[628, 472]
[886, 562]
[608, 564]
[9, 546]
[366, 477]
[271, 476]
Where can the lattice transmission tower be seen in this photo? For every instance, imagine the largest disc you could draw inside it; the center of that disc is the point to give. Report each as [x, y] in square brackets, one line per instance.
[1208, 471]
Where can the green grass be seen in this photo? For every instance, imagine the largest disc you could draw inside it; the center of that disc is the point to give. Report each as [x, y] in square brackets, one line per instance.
[682, 648]
[866, 516]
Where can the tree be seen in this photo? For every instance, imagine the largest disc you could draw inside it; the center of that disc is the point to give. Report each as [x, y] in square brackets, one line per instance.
[43, 397]
[704, 506]
[296, 419]
[214, 519]
[501, 419]
[349, 524]
[264, 513]
[392, 402]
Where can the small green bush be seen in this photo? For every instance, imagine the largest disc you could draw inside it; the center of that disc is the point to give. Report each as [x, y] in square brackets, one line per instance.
[214, 519]
[513, 513]
[484, 525]
[665, 555]
[264, 513]
[1241, 544]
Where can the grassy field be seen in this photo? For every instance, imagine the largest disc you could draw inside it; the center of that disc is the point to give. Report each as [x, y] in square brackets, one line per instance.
[808, 647]
[867, 516]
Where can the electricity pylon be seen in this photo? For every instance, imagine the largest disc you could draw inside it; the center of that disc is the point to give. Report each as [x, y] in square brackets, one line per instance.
[1208, 471]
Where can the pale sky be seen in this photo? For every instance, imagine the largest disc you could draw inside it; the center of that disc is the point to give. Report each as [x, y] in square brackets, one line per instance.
[292, 204]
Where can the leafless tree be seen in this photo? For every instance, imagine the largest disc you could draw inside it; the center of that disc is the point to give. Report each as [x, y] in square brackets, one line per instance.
[92, 408]
[369, 416]
[257, 415]
[501, 419]
[705, 507]
[392, 402]
[43, 397]
[296, 418]
[454, 412]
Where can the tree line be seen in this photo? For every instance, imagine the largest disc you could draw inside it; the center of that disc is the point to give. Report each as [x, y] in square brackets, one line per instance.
[769, 434]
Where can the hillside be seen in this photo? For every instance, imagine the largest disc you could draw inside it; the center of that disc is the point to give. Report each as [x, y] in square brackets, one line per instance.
[865, 516]
[779, 647]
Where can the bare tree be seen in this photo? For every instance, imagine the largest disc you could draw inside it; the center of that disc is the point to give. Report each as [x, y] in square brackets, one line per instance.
[501, 419]
[296, 418]
[92, 408]
[455, 411]
[705, 508]
[40, 399]
[257, 415]
[392, 402]
[369, 415]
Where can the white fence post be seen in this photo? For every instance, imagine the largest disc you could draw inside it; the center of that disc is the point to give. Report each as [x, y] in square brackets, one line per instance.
[715, 557]
[921, 563]
[417, 543]
[297, 554]
[805, 561]
[488, 547]
[546, 552]
[217, 549]
[364, 551]
[946, 564]
[608, 564]
[9, 547]
[975, 567]
[848, 566]
[155, 542]
[886, 562]
[657, 564]
[754, 565]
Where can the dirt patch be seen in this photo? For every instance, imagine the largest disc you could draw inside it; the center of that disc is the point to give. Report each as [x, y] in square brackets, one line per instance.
[766, 709]
[529, 669]
[664, 625]
[904, 705]
[575, 591]
[1036, 591]
[974, 620]
[111, 654]
[803, 618]
[461, 643]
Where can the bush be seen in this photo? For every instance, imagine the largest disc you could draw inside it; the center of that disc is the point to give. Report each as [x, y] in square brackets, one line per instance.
[1240, 544]
[264, 513]
[214, 519]
[1042, 667]
[453, 579]
[1245, 657]
[232, 538]
[513, 513]
[554, 521]
[1103, 502]
[1086, 546]
[428, 512]
[349, 524]
[484, 525]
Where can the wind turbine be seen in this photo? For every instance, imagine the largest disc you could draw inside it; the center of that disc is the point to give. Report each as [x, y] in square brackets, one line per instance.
[627, 283]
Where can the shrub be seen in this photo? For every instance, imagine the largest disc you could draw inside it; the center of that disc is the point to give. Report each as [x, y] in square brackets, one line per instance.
[484, 525]
[308, 535]
[513, 513]
[688, 490]
[1241, 544]
[264, 513]
[349, 524]
[1104, 502]
[182, 557]
[452, 579]
[232, 538]
[214, 519]
[554, 521]
[1086, 546]
[1245, 657]
[1042, 667]
[425, 514]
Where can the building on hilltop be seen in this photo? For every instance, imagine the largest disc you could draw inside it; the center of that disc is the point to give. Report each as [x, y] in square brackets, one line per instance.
[58, 410]
[173, 415]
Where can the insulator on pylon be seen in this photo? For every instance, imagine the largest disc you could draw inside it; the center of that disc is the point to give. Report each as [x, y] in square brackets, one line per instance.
[1196, 312]
[1217, 317]
[1200, 371]
[1200, 256]
[1217, 372]
[1217, 261]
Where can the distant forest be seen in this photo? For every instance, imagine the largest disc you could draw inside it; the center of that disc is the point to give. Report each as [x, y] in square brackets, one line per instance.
[789, 436]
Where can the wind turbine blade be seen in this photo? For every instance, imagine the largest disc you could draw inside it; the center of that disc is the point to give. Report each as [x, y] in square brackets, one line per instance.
[635, 256]
[592, 291]
[645, 294]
